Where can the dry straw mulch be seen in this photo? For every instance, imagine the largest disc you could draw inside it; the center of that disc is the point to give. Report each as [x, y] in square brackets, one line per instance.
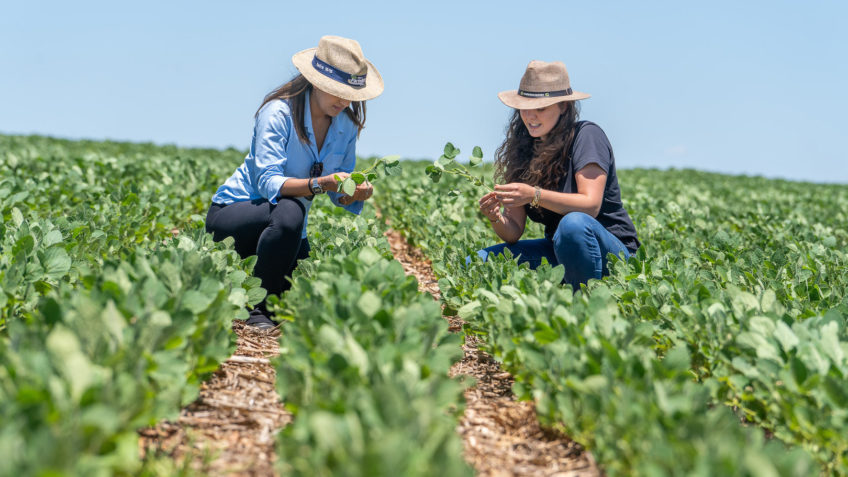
[231, 428]
[502, 436]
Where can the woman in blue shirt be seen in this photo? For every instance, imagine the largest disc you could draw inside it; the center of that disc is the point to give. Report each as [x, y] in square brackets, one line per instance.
[305, 133]
[560, 172]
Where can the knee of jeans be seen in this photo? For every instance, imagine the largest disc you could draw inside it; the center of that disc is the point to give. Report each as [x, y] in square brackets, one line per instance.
[571, 227]
[480, 253]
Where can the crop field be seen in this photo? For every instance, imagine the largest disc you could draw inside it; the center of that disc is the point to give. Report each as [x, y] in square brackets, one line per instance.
[721, 348]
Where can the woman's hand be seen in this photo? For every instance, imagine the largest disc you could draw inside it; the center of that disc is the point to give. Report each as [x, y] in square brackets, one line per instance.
[363, 191]
[329, 182]
[514, 194]
[490, 206]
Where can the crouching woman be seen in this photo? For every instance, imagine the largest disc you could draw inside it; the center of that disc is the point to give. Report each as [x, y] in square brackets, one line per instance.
[560, 172]
[305, 134]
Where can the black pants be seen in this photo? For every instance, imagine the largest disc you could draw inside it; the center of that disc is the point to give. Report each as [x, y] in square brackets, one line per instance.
[271, 232]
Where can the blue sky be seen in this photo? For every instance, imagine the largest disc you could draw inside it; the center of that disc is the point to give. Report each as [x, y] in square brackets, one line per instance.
[739, 87]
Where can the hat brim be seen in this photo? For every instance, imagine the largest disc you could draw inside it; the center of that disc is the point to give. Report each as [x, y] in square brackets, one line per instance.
[373, 81]
[515, 100]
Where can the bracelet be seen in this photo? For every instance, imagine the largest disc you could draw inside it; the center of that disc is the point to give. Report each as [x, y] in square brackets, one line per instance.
[537, 197]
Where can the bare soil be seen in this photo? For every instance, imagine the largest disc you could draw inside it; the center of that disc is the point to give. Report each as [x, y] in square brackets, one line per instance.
[231, 428]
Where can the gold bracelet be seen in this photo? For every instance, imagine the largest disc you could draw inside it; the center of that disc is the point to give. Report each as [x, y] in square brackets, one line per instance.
[537, 197]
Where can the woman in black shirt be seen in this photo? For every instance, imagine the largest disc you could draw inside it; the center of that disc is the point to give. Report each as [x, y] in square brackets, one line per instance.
[558, 171]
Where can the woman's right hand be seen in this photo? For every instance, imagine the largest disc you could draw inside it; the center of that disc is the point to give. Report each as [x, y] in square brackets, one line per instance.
[490, 206]
[329, 182]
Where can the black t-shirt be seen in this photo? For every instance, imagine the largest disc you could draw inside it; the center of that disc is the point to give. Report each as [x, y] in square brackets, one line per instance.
[591, 146]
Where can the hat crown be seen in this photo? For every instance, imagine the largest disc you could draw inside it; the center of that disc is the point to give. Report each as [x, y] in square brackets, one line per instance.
[342, 53]
[542, 76]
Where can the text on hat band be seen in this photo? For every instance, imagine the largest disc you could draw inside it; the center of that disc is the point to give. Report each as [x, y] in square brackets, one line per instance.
[357, 81]
[532, 94]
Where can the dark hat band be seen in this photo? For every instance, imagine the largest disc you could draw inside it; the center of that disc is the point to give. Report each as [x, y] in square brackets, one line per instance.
[531, 94]
[357, 81]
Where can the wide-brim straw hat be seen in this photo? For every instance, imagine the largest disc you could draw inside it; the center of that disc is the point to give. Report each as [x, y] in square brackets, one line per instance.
[337, 66]
[543, 84]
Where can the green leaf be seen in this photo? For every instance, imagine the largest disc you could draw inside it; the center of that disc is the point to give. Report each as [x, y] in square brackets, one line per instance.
[451, 151]
[64, 346]
[255, 295]
[17, 217]
[349, 186]
[57, 262]
[369, 303]
[114, 322]
[785, 336]
[391, 160]
[544, 333]
[443, 161]
[24, 244]
[195, 301]
[357, 354]
[434, 173]
[238, 296]
[53, 237]
[836, 390]
[357, 177]
[469, 309]
[369, 256]
[768, 301]
[392, 169]
[830, 343]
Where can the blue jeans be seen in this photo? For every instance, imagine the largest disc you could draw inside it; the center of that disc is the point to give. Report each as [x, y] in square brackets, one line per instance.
[580, 243]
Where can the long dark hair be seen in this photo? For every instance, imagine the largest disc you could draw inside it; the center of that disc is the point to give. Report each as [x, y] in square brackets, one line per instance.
[295, 91]
[534, 161]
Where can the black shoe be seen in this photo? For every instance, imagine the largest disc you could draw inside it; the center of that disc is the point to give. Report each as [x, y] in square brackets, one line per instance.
[260, 321]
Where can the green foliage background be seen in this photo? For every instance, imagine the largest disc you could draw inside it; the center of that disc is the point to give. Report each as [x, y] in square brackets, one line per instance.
[719, 349]
[734, 309]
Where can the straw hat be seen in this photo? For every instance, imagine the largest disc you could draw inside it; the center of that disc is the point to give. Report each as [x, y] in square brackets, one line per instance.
[543, 84]
[337, 66]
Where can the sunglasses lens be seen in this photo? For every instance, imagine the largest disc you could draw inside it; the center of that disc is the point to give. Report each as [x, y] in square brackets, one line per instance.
[317, 169]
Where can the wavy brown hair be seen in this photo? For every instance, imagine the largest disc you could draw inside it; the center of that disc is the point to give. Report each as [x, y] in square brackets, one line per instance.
[295, 91]
[534, 161]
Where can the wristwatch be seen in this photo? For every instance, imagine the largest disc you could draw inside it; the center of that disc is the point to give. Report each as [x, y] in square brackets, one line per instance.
[315, 186]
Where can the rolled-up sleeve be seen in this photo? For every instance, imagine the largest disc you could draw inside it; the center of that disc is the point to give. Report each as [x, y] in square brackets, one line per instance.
[591, 146]
[270, 138]
[348, 164]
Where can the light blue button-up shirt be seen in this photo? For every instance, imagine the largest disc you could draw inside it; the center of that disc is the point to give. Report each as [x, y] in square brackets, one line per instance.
[277, 154]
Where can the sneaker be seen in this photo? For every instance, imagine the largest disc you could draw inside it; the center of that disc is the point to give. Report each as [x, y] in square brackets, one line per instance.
[260, 321]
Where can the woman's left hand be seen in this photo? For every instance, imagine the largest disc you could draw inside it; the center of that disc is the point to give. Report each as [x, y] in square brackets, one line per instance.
[515, 194]
[363, 191]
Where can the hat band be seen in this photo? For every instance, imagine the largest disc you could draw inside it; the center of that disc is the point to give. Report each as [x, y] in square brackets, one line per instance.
[357, 81]
[531, 94]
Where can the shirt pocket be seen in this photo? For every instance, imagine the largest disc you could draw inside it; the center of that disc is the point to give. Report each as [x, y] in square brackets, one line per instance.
[333, 162]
